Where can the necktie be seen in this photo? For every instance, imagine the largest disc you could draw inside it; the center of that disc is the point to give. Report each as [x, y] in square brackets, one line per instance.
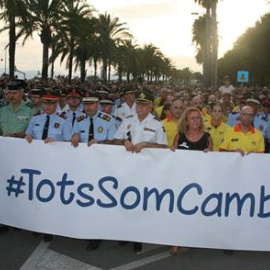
[91, 130]
[73, 119]
[46, 127]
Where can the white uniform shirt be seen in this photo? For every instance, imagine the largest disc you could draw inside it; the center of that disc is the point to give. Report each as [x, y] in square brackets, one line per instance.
[124, 111]
[149, 130]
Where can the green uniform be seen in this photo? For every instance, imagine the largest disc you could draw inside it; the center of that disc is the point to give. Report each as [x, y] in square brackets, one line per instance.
[12, 121]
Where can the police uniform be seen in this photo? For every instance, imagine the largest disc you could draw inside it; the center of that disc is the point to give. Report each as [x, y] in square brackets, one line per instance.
[108, 101]
[123, 109]
[3, 103]
[15, 121]
[59, 129]
[69, 115]
[235, 138]
[103, 125]
[233, 118]
[149, 130]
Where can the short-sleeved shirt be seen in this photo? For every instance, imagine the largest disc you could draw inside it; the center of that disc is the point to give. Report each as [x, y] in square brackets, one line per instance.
[15, 121]
[217, 133]
[104, 127]
[59, 128]
[235, 138]
[258, 122]
[149, 130]
[69, 114]
[124, 111]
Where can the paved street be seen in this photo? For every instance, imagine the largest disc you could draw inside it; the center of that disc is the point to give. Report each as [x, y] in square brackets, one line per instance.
[21, 250]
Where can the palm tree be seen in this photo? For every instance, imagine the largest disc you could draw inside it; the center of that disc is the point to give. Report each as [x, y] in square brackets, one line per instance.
[14, 12]
[210, 65]
[45, 18]
[149, 61]
[74, 13]
[200, 39]
[126, 60]
[109, 34]
[84, 49]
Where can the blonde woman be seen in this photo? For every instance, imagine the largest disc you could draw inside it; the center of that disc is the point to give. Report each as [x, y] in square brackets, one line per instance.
[191, 135]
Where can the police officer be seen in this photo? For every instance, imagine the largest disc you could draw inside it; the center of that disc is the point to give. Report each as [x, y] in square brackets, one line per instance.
[142, 130]
[107, 105]
[48, 126]
[35, 97]
[73, 100]
[128, 107]
[14, 117]
[93, 127]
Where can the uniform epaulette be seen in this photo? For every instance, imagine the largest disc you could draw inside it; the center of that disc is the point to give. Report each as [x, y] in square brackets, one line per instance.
[265, 118]
[80, 118]
[104, 116]
[63, 115]
[129, 116]
[157, 119]
[235, 112]
[117, 118]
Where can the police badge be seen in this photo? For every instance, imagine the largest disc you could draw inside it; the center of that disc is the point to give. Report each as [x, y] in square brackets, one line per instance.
[100, 129]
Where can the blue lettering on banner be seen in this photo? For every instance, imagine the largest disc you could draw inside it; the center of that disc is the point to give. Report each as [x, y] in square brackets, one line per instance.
[190, 200]
[113, 202]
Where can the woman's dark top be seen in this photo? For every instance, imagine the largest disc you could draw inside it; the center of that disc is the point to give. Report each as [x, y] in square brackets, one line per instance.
[185, 144]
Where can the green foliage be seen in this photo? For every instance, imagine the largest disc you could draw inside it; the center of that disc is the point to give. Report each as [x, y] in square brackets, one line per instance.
[251, 53]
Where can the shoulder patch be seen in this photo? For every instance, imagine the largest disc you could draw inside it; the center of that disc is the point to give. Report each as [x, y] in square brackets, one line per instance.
[104, 116]
[80, 118]
[63, 115]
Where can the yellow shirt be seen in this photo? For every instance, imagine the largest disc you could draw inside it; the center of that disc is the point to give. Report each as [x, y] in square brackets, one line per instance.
[158, 111]
[170, 129]
[157, 102]
[206, 118]
[235, 138]
[217, 133]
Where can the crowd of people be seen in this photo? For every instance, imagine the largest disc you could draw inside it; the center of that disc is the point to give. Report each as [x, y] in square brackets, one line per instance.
[136, 117]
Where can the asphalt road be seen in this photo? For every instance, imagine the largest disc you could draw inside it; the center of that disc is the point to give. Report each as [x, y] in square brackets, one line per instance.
[21, 250]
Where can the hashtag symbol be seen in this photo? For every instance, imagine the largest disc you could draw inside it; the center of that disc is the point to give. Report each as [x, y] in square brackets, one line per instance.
[15, 186]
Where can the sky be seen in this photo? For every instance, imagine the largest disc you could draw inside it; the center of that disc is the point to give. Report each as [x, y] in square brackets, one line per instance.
[165, 23]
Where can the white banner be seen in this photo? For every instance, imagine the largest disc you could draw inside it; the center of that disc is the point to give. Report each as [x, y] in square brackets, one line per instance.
[185, 198]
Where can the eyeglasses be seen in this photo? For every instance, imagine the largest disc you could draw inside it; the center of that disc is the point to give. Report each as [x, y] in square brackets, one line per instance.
[251, 115]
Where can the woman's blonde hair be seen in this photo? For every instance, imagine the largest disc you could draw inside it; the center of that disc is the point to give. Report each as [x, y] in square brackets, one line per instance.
[182, 125]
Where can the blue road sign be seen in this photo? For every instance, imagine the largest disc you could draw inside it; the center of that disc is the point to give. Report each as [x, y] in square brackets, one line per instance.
[242, 76]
